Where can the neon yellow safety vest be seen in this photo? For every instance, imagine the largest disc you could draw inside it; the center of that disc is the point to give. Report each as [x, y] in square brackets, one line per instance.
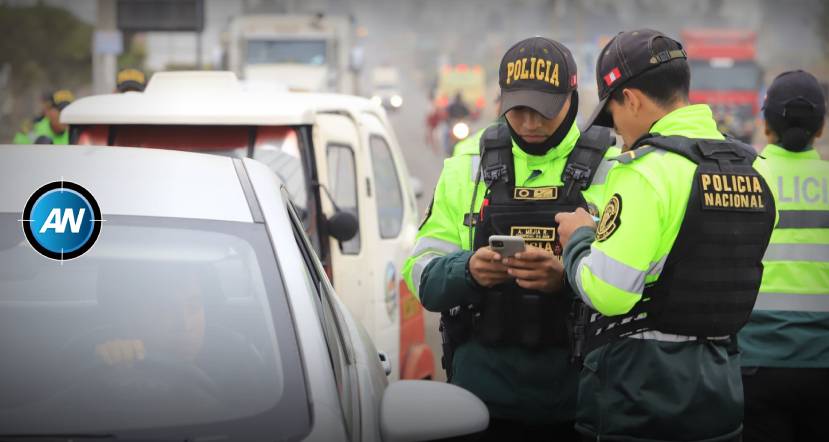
[790, 323]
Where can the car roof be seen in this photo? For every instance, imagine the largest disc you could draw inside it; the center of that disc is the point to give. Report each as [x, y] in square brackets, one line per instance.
[210, 98]
[129, 181]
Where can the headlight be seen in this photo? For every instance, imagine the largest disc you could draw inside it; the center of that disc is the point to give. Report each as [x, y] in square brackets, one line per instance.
[460, 130]
[396, 101]
[377, 100]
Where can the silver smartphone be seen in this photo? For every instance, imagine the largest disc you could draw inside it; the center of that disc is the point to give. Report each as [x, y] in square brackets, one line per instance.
[506, 245]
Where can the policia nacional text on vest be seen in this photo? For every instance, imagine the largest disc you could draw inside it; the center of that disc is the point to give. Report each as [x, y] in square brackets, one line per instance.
[509, 314]
[729, 219]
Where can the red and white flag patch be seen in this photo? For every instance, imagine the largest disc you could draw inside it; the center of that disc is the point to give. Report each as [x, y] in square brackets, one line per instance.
[612, 76]
[574, 80]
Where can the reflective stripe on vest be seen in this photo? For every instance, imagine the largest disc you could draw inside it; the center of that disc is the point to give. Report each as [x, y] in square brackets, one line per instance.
[476, 161]
[803, 219]
[792, 302]
[797, 252]
[426, 249]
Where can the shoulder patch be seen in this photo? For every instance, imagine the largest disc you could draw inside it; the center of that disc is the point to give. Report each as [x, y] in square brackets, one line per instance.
[610, 221]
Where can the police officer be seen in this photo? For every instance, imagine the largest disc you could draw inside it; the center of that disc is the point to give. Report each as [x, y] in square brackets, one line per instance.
[130, 80]
[22, 136]
[50, 130]
[785, 345]
[672, 270]
[503, 319]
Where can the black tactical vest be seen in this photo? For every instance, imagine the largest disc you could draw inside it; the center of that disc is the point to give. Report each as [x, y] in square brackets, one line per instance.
[712, 275]
[511, 315]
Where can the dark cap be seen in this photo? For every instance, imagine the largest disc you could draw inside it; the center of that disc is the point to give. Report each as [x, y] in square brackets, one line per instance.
[538, 73]
[627, 55]
[62, 98]
[130, 80]
[797, 94]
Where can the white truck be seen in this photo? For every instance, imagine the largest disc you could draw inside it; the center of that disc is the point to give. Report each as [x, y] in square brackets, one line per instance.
[339, 159]
[312, 53]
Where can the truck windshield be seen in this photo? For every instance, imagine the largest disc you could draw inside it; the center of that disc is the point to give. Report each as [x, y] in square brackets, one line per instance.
[310, 52]
[735, 76]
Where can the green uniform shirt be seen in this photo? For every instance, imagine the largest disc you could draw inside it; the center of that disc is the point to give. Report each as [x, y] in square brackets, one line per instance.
[515, 383]
[790, 323]
[652, 385]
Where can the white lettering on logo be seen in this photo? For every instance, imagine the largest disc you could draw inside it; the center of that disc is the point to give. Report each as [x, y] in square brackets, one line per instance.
[58, 223]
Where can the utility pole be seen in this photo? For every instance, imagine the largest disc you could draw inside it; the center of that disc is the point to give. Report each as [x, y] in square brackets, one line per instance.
[107, 44]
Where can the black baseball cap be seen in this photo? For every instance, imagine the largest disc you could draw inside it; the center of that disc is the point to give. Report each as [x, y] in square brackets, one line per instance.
[627, 55]
[795, 94]
[538, 73]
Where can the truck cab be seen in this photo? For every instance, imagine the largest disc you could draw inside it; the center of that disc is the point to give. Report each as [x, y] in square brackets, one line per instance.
[342, 166]
[304, 52]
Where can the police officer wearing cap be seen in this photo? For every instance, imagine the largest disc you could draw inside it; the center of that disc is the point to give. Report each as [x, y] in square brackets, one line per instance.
[130, 80]
[503, 319]
[50, 130]
[785, 345]
[671, 272]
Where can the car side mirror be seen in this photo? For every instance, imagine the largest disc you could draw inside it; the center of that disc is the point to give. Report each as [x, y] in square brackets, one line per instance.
[428, 410]
[342, 226]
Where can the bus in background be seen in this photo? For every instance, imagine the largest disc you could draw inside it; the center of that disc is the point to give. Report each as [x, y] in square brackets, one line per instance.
[725, 75]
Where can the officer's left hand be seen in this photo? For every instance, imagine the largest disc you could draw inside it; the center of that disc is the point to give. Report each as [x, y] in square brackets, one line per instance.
[536, 269]
[569, 222]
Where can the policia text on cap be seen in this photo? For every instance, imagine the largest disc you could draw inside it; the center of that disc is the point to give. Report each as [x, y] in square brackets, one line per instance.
[504, 320]
[672, 271]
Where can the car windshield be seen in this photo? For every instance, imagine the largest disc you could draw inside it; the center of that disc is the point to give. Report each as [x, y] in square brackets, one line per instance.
[725, 76]
[166, 325]
[310, 52]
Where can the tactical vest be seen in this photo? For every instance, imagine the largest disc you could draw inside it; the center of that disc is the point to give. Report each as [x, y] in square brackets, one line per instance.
[509, 314]
[712, 275]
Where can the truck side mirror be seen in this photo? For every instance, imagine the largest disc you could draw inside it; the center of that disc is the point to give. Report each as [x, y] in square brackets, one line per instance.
[342, 226]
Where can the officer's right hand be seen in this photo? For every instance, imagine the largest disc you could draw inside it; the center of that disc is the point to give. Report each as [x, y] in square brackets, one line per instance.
[486, 268]
[121, 351]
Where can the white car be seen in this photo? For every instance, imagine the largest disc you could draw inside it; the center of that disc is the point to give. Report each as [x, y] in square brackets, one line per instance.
[200, 313]
[337, 155]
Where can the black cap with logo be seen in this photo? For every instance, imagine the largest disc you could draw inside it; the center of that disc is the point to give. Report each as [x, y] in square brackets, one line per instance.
[627, 55]
[538, 73]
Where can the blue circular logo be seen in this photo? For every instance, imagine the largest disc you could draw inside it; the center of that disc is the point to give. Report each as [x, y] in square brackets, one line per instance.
[61, 220]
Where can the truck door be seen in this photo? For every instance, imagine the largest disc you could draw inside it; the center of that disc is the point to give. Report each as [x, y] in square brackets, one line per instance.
[400, 315]
[337, 150]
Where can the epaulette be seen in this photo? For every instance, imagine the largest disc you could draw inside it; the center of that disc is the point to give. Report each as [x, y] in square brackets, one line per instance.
[631, 155]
